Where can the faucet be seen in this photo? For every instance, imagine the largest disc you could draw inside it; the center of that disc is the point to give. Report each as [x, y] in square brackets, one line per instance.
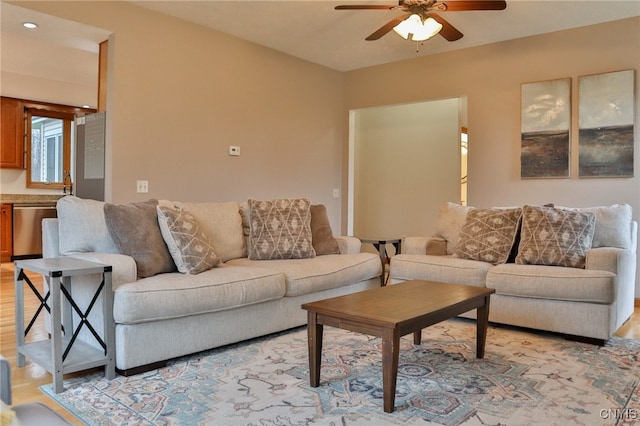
[66, 182]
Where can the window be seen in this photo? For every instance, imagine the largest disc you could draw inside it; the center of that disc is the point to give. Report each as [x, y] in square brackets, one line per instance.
[48, 147]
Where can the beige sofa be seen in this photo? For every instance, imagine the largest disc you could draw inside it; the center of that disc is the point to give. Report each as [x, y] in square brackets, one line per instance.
[229, 294]
[588, 299]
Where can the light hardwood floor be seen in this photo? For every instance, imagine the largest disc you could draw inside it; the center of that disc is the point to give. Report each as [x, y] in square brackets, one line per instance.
[27, 380]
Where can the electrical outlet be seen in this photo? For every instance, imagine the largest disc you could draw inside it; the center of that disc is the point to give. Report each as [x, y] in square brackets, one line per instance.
[142, 186]
[234, 150]
[336, 192]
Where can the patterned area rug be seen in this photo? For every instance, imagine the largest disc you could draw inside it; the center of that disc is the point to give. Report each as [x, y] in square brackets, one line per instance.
[525, 378]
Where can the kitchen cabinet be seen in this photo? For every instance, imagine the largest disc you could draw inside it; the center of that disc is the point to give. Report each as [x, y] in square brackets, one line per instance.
[6, 232]
[12, 133]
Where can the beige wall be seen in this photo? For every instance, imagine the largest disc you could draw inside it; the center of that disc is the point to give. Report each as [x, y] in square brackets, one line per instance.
[407, 164]
[490, 76]
[180, 94]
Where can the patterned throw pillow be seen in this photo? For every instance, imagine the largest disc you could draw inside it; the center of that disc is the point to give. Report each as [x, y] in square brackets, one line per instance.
[188, 244]
[555, 237]
[488, 234]
[280, 229]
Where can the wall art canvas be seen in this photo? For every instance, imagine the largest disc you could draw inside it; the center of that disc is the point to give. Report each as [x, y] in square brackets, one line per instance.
[545, 129]
[606, 111]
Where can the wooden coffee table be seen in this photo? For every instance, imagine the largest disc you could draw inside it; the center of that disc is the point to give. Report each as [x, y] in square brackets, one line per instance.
[391, 312]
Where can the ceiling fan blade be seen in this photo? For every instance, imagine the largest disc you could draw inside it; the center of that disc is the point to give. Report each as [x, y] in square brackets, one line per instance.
[448, 31]
[456, 6]
[387, 27]
[364, 6]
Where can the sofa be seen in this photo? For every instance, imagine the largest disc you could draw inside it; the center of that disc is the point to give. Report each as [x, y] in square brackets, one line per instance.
[188, 277]
[563, 270]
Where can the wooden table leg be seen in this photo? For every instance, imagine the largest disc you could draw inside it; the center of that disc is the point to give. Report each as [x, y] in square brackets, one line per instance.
[314, 335]
[390, 354]
[482, 323]
[417, 337]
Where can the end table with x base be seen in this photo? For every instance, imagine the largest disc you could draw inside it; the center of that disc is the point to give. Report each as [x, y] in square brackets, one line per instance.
[63, 352]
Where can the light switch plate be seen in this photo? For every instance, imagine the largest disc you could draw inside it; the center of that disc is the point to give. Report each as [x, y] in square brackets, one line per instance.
[142, 186]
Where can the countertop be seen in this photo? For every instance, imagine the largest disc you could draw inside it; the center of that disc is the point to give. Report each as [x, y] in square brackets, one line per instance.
[29, 198]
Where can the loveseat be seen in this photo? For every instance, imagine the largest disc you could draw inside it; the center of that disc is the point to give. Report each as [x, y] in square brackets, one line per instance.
[193, 276]
[564, 270]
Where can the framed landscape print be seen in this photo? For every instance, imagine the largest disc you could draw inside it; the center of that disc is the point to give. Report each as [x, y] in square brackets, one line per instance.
[545, 129]
[605, 121]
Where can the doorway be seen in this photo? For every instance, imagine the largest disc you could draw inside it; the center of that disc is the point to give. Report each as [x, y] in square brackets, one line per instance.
[404, 164]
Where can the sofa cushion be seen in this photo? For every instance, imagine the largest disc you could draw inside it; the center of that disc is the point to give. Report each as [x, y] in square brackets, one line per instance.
[83, 227]
[305, 276]
[450, 221]
[613, 225]
[280, 229]
[175, 295]
[134, 229]
[553, 282]
[322, 237]
[555, 237]
[188, 244]
[406, 267]
[488, 234]
[223, 224]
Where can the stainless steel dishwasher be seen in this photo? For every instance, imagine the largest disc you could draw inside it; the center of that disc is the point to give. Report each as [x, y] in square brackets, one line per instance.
[27, 228]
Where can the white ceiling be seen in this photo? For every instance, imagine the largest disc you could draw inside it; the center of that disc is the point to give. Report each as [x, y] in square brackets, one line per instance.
[308, 29]
[313, 30]
[58, 50]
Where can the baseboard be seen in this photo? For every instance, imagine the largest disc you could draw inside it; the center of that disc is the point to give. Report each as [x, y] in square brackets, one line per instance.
[637, 303]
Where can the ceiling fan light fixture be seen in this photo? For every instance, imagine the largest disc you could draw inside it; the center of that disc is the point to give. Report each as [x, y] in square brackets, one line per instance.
[415, 29]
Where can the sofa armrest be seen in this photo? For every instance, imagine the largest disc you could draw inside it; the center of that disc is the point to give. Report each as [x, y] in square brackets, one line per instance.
[435, 246]
[123, 267]
[605, 259]
[348, 245]
[622, 263]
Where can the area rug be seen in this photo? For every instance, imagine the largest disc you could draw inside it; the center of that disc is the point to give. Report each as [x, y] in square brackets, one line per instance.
[525, 378]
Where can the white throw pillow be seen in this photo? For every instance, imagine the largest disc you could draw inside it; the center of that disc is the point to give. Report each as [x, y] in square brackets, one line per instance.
[82, 226]
[223, 223]
[613, 225]
[450, 221]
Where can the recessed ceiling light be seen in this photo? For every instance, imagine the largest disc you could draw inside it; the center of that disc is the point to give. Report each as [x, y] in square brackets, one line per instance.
[30, 25]
[86, 106]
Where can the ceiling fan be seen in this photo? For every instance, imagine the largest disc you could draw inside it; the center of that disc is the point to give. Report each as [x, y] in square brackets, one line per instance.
[422, 13]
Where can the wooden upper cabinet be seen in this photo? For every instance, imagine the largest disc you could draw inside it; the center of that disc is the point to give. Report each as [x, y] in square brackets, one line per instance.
[11, 134]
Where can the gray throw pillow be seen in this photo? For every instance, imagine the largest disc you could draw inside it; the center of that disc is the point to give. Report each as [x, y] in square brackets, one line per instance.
[322, 237]
[134, 229]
